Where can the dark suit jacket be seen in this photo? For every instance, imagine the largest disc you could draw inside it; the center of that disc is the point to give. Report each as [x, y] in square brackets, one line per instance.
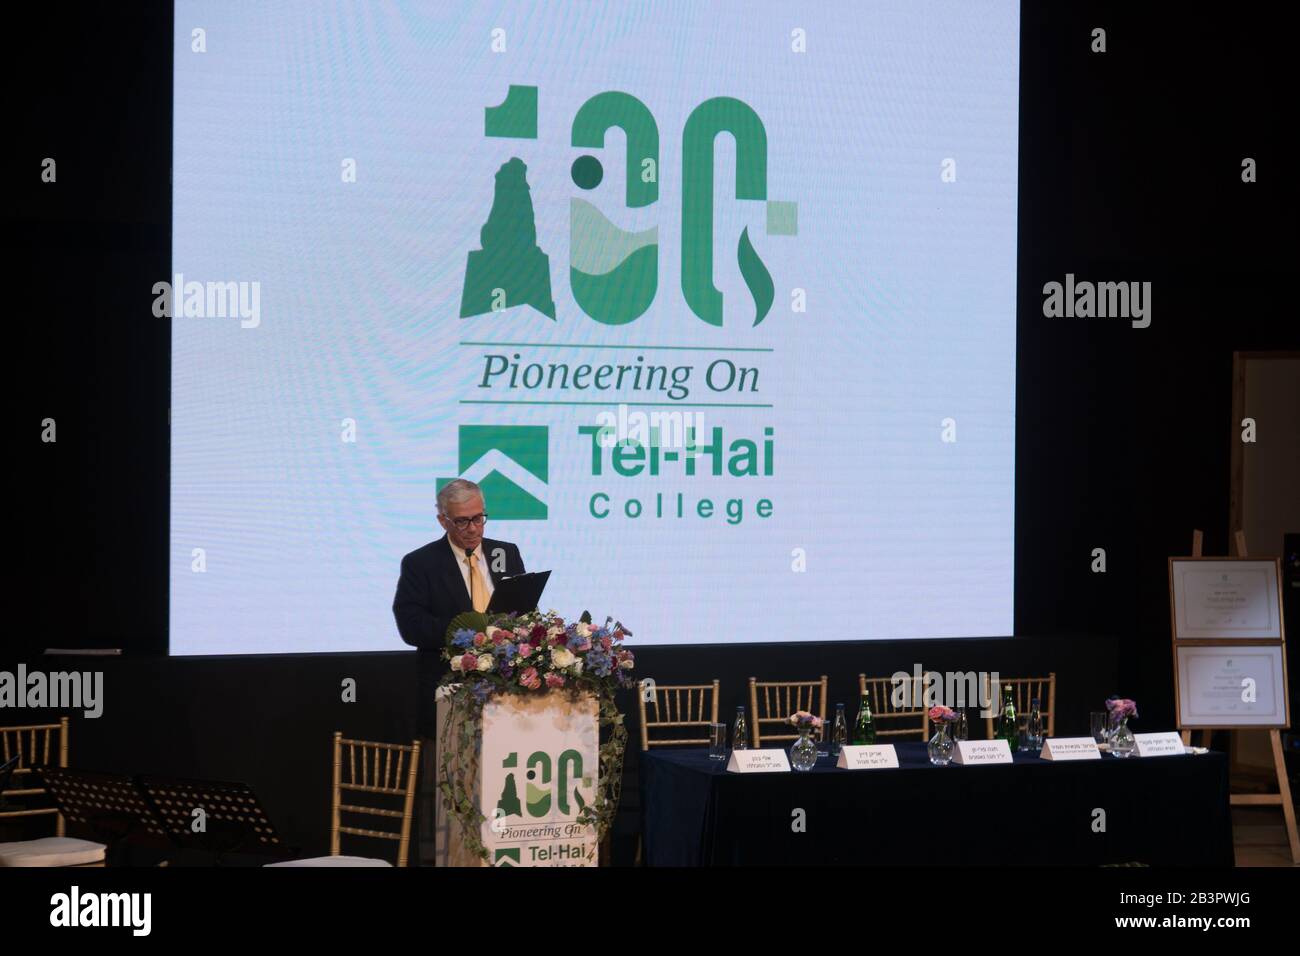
[430, 592]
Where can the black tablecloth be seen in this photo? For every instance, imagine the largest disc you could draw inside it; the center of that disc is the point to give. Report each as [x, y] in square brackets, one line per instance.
[1158, 811]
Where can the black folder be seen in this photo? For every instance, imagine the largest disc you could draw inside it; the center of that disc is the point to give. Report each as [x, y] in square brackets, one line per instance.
[519, 594]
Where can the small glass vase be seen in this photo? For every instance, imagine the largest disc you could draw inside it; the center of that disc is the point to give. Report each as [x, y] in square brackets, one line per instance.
[803, 752]
[940, 746]
[1122, 742]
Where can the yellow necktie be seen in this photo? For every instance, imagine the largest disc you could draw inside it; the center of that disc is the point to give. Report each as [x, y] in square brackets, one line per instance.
[478, 595]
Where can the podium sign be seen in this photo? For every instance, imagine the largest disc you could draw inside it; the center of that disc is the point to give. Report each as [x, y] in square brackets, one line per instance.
[539, 767]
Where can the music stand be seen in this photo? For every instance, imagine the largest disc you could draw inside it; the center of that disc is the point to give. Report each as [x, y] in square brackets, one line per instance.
[111, 808]
[236, 829]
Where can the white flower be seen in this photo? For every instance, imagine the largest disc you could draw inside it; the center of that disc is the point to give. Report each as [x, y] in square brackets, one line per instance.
[577, 667]
[490, 630]
[455, 662]
[583, 629]
[485, 662]
[561, 656]
[628, 664]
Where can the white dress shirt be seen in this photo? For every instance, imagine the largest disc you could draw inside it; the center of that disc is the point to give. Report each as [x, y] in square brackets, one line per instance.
[480, 561]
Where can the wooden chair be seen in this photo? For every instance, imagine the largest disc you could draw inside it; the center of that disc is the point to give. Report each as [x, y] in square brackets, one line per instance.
[34, 746]
[678, 706]
[385, 770]
[893, 721]
[780, 699]
[1023, 690]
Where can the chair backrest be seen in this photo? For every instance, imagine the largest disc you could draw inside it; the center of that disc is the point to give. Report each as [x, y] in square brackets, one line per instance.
[772, 702]
[35, 745]
[679, 706]
[384, 770]
[1023, 691]
[910, 719]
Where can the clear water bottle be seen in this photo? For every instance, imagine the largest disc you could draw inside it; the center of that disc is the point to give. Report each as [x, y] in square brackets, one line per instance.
[1034, 731]
[840, 732]
[961, 727]
[740, 732]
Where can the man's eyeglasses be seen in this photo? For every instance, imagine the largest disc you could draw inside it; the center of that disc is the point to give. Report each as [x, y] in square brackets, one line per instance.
[461, 524]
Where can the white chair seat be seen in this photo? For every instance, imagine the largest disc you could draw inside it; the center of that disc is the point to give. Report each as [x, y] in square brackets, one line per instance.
[334, 861]
[51, 851]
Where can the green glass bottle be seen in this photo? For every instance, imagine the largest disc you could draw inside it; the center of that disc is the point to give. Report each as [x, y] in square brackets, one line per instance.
[1009, 731]
[864, 728]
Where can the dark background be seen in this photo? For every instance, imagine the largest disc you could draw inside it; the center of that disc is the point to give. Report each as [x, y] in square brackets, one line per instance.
[1130, 170]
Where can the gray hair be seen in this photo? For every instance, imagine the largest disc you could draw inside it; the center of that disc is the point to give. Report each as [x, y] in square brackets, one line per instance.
[455, 491]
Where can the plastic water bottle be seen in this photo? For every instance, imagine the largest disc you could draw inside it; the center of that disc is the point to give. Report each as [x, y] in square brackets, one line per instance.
[740, 732]
[1035, 729]
[840, 732]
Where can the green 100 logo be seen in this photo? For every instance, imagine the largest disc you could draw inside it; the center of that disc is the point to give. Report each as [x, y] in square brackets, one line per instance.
[614, 273]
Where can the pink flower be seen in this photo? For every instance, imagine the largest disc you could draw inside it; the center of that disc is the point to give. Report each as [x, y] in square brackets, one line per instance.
[530, 679]
[1121, 707]
[525, 650]
[554, 680]
[468, 662]
[605, 644]
[499, 638]
[941, 713]
[480, 639]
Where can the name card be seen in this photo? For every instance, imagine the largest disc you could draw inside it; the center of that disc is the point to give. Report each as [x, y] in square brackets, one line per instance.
[878, 757]
[758, 761]
[1070, 748]
[969, 753]
[1168, 744]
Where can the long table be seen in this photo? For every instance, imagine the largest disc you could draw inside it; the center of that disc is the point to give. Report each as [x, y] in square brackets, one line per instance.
[1154, 811]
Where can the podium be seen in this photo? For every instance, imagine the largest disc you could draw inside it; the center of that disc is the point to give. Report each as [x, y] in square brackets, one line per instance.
[531, 774]
[523, 776]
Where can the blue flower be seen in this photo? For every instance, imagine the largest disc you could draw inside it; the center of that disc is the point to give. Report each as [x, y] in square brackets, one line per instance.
[599, 663]
[463, 638]
[506, 650]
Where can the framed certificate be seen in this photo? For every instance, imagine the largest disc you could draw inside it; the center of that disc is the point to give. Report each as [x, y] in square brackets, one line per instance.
[1231, 685]
[1226, 599]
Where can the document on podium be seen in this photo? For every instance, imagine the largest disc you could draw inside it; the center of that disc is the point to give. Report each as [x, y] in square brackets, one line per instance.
[518, 594]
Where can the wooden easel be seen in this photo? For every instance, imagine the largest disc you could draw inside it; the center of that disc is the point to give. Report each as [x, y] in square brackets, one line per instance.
[1283, 796]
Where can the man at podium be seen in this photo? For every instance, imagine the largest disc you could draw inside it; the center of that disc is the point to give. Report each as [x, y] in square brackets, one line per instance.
[454, 574]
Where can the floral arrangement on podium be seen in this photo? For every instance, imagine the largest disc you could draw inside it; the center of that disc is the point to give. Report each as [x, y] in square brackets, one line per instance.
[532, 654]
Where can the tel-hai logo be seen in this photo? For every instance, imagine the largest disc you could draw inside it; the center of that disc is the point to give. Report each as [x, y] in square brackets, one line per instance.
[510, 464]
